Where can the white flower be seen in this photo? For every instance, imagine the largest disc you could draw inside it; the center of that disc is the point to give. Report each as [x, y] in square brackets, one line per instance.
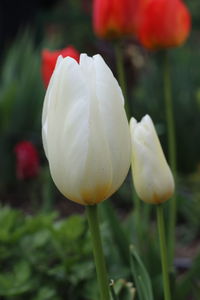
[152, 176]
[85, 131]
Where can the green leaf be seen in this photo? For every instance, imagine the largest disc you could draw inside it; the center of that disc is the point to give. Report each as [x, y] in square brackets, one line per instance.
[16, 281]
[117, 231]
[141, 276]
[72, 228]
[47, 293]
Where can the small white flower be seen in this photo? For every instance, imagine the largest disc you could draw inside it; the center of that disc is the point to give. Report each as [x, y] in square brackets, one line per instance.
[152, 176]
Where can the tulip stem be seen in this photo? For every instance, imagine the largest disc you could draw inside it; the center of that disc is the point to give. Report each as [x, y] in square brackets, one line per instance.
[137, 214]
[102, 278]
[121, 76]
[122, 82]
[163, 250]
[172, 155]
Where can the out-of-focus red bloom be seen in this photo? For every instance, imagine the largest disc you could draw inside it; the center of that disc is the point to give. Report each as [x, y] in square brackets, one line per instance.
[116, 18]
[27, 160]
[49, 59]
[164, 23]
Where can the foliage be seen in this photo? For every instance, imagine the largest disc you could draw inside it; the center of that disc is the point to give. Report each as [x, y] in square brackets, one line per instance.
[42, 257]
[21, 96]
[148, 98]
[141, 276]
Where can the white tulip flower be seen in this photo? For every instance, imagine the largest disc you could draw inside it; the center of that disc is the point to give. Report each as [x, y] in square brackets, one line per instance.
[85, 130]
[152, 176]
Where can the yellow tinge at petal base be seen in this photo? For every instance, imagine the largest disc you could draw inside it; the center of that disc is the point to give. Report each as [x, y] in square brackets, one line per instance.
[85, 130]
[152, 176]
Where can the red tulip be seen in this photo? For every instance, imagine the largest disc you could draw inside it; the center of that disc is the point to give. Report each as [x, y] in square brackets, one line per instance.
[49, 59]
[27, 160]
[165, 23]
[116, 18]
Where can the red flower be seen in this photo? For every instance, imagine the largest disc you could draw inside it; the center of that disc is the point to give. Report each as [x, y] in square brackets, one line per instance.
[27, 160]
[165, 23]
[49, 59]
[116, 18]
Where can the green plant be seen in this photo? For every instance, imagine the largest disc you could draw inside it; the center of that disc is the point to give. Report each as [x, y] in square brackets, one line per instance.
[21, 97]
[44, 258]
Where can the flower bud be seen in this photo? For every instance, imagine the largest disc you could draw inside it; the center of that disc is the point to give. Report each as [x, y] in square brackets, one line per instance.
[85, 131]
[164, 23]
[27, 160]
[152, 176]
[49, 59]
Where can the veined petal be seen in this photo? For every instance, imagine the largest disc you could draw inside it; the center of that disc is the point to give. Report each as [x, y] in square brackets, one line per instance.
[114, 121]
[97, 178]
[108, 84]
[46, 105]
[68, 129]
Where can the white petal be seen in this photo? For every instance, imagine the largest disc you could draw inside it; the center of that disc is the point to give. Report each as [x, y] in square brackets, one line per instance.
[152, 176]
[133, 124]
[97, 179]
[114, 120]
[46, 105]
[68, 129]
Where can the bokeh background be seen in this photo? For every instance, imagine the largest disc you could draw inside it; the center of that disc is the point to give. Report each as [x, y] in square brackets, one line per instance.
[45, 249]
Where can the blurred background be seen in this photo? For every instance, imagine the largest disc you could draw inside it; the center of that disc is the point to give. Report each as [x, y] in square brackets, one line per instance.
[45, 249]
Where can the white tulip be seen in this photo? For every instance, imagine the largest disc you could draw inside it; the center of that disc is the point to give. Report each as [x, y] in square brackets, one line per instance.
[152, 176]
[85, 131]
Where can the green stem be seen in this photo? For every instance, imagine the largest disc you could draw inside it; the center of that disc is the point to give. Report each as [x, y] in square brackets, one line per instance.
[172, 155]
[163, 250]
[121, 76]
[137, 202]
[137, 213]
[169, 114]
[122, 82]
[92, 215]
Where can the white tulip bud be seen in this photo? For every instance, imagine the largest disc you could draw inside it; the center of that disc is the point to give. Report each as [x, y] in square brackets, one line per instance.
[152, 176]
[85, 130]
